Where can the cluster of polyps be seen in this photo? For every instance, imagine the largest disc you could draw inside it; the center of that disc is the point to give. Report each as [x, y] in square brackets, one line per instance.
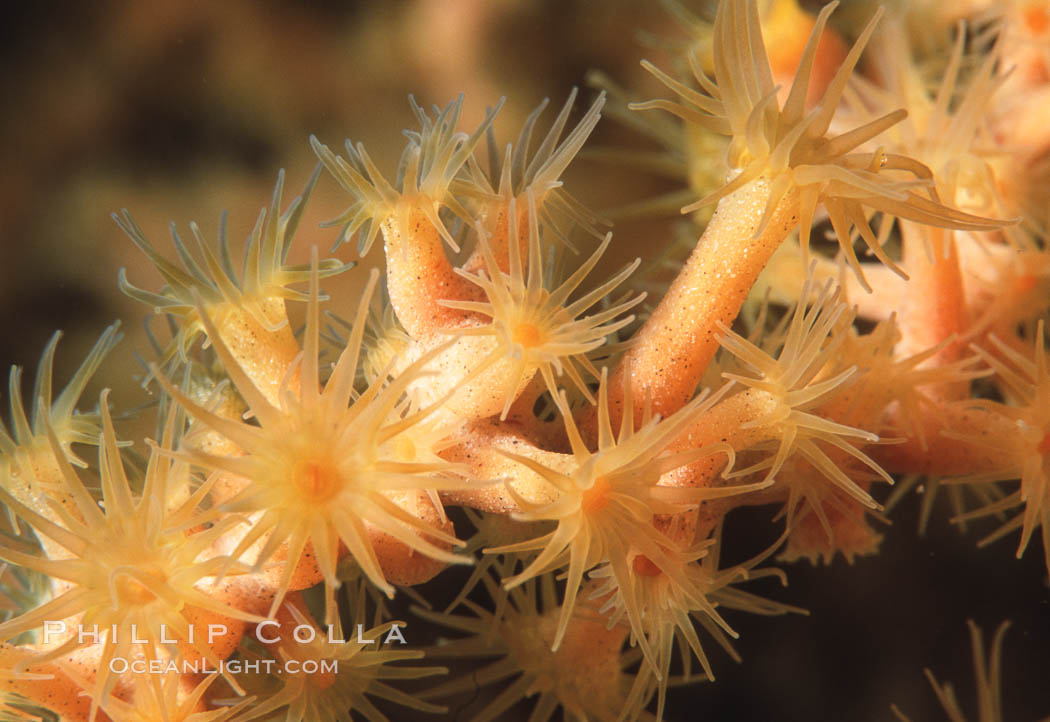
[277, 473]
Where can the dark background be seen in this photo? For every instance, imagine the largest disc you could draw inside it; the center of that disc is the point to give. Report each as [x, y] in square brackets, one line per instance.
[177, 110]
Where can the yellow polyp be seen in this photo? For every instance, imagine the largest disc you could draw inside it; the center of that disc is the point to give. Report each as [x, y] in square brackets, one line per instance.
[527, 335]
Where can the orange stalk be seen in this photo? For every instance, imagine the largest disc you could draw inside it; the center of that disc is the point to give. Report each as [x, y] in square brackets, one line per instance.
[672, 350]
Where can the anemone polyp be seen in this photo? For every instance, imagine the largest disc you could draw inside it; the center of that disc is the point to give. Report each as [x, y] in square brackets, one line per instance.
[319, 466]
[130, 568]
[539, 326]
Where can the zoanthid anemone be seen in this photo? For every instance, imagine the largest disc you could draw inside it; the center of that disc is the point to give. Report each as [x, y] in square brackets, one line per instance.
[494, 530]
[424, 183]
[323, 463]
[909, 384]
[791, 388]
[1026, 454]
[586, 676]
[678, 156]
[791, 147]
[248, 305]
[537, 327]
[29, 469]
[664, 598]
[136, 575]
[165, 697]
[322, 678]
[384, 340]
[1009, 286]
[539, 173]
[691, 587]
[947, 131]
[609, 498]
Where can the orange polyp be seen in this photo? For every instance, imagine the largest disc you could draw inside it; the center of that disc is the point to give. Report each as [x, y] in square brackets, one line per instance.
[527, 335]
[645, 567]
[1044, 444]
[1025, 283]
[597, 497]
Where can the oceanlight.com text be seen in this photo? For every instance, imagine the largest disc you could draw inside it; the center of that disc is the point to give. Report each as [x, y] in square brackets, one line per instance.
[120, 665]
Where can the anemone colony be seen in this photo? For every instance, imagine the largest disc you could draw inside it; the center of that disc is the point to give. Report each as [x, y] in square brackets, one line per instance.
[597, 437]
